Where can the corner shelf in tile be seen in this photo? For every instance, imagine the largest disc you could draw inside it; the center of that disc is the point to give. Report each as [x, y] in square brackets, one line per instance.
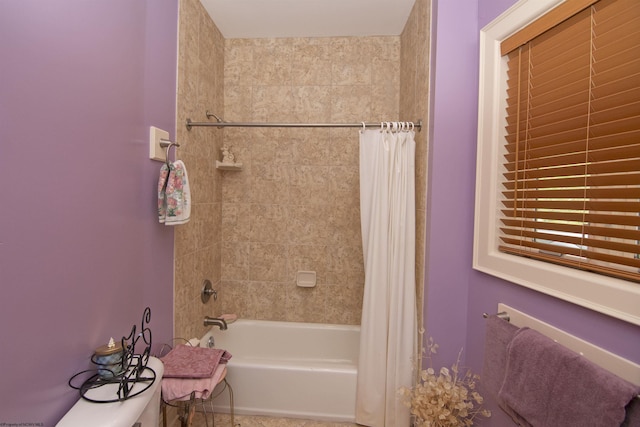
[228, 166]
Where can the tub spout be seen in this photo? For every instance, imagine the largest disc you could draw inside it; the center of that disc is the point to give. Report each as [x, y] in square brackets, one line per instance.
[215, 321]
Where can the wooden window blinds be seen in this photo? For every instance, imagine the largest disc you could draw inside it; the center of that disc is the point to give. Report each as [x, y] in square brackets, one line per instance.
[572, 158]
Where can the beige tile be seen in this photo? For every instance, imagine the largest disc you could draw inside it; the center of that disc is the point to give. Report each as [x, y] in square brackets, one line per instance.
[272, 64]
[344, 303]
[311, 104]
[316, 150]
[204, 269]
[311, 65]
[235, 298]
[344, 221]
[237, 61]
[237, 103]
[236, 222]
[269, 192]
[268, 147]
[267, 300]
[310, 178]
[355, 72]
[272, 103]
[235, 260]
[268, 223]
[306, 304]
[310, 225]
[268, 262]
[385, 103]
[236, 186]
[350, 104]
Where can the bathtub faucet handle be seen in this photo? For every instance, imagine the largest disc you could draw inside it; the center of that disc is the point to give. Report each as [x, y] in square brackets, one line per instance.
[207, 291]
[215, 321]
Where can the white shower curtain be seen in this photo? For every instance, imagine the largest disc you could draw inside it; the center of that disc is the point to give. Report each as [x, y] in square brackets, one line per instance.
[388, 332]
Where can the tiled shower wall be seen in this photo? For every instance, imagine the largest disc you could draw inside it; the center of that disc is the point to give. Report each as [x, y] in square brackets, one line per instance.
[200, 88]
[414, 104]
[295, 204]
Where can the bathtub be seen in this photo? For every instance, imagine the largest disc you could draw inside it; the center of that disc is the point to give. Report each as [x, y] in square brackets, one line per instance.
[289, 369]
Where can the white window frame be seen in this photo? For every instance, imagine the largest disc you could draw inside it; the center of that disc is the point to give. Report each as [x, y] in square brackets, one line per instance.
[615, 297]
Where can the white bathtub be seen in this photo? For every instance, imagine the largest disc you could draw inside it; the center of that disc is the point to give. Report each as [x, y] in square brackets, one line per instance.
[288, 369]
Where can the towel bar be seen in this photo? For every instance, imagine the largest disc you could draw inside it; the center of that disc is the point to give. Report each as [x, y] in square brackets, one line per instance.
[503, 315]
[620, 366]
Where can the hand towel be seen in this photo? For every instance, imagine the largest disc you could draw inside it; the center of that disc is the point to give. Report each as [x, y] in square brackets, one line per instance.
[185, 361]
[162, 188]
[498, 335]
[549, 385]
[181, 388]
[177, 195]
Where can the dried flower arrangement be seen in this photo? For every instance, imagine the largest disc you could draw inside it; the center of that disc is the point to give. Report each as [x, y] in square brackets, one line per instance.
[444, 399]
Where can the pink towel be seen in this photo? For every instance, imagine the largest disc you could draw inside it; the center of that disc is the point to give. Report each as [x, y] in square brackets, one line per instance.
[185, 361]
[549, 385]
[181, 388]
[229, 318]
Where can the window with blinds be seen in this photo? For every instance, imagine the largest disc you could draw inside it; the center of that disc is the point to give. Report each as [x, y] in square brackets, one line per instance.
[571, 189]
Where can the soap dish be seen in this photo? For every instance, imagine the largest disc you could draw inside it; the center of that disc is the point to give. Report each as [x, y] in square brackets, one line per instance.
[306, 279]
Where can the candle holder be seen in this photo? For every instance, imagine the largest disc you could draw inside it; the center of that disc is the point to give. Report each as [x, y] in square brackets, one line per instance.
[119, 367]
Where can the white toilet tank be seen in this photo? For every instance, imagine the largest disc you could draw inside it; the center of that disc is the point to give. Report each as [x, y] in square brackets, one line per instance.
[143, 408]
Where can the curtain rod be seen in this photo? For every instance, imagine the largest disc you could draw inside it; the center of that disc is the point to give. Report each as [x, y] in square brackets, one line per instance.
[220, 124]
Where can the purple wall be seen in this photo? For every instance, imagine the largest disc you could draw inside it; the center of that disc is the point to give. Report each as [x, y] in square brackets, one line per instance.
[455, 294]
[81, 252]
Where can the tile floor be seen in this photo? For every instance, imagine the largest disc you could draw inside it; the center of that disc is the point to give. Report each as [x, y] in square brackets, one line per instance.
[224, 420]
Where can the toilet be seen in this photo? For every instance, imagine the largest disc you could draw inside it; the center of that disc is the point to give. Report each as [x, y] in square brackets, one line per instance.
[142, 410]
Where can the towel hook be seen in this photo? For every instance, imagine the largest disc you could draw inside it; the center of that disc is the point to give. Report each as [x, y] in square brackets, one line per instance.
[165, 143]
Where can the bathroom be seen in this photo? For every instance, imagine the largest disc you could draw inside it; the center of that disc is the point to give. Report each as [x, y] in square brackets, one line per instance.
[81, 249]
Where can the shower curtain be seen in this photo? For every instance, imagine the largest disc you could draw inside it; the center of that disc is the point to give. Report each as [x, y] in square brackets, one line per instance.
[388, 333]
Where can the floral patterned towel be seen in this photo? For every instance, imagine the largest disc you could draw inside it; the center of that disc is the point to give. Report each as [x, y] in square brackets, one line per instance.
[162, 187]
[174, 195]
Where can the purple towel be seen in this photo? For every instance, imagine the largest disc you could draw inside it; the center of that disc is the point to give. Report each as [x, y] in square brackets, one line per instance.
[549, 385]
[184, 361]
[633, 414]
[498, 335]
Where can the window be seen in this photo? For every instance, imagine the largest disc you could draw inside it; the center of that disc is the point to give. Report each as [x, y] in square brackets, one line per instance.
[558, 184]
